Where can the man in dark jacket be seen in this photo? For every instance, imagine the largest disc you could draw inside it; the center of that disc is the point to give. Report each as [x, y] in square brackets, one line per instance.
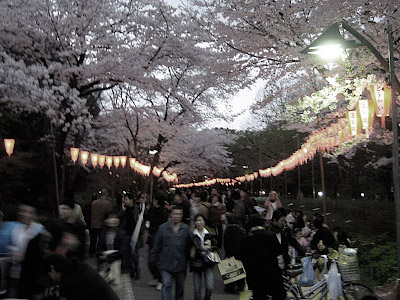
[156, 215]
[171, 246]
[259, 252]
[285, 237]
[323, 239]
[76, 280]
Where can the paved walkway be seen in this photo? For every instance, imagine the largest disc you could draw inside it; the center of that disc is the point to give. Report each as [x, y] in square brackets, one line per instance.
[142, 291]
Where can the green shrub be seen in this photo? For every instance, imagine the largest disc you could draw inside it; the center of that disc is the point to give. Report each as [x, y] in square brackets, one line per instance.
[382, 263]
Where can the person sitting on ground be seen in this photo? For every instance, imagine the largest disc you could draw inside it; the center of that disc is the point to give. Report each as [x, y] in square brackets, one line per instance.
[323, 238]
[341, 237]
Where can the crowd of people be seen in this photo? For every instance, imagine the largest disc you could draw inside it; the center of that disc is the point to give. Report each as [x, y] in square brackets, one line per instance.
[43, 256]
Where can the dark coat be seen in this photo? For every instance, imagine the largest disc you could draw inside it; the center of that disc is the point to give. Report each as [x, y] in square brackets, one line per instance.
[156, 216]
[197, 264]
[122, 244]
[233, 238]
[172, 249]
[100, 208]
[326, 236]
[259, 252]
[33, 276]
[287, 239]
[81, 282]
[129, 220]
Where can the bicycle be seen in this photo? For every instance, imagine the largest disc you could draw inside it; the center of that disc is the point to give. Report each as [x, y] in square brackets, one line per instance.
[319, 291]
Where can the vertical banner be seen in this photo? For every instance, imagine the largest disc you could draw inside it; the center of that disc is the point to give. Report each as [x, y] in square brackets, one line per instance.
[353, 122]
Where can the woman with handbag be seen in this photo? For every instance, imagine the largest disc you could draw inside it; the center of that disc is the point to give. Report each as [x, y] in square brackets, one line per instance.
[203, 256]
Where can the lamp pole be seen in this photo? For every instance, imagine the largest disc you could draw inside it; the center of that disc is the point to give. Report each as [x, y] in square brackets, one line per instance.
[395, 147]
[395, 85]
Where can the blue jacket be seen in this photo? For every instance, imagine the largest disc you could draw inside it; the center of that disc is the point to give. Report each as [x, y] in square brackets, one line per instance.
[171, 249]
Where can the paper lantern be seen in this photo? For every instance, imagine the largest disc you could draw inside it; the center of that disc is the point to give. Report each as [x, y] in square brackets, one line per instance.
[132, 162]
[123, 161]
[84, 157]
[9, 145]
[95, 159]
[157, 171]
[366, 114]
[109, 161]
[117, 161]
[381, 95]
[102, 161]
[74, 154]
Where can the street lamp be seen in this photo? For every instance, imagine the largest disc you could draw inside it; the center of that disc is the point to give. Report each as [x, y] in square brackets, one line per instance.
[331, 41]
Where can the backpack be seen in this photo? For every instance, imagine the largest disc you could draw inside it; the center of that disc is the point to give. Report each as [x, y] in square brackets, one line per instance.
[214, 216]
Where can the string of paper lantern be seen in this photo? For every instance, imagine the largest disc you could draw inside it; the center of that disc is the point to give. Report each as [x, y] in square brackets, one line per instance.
[326, 139]
[116, 161]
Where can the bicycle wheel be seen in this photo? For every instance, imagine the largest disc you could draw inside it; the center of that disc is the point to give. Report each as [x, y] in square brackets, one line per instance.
[355, 291]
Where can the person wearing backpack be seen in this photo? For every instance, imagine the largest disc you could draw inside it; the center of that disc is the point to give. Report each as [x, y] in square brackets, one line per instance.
[216, 217]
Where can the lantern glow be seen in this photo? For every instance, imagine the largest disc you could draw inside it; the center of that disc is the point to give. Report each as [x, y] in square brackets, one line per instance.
[84, 157]
[123, 161]
[95, 159]
[102, 161]
[117, 161]
[74, 154]
[109, 161]
[9, 145]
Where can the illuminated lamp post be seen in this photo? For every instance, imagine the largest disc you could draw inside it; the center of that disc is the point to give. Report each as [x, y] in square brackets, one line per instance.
[331, 44]
[9, 145]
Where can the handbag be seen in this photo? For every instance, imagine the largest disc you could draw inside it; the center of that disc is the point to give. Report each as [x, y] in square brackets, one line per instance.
[212, 258]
